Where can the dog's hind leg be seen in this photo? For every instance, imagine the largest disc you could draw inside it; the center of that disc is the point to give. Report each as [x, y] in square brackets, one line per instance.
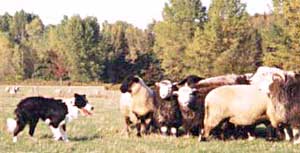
[20, 126]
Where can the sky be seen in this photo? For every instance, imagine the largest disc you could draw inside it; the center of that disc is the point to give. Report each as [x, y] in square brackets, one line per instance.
[137, 12]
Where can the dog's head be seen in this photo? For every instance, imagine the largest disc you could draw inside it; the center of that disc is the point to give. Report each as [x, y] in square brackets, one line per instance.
[82, 104]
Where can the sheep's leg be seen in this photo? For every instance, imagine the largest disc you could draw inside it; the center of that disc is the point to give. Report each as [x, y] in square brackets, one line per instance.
[138, 128]
[164, 130]
[296, 136]
[174, 131]
[288, 133]
[210, 122]
[127, 125]
[270, 132]
[250, 132]
[147, 122]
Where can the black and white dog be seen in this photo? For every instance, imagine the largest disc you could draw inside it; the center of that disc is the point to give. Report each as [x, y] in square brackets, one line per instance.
[54, 112]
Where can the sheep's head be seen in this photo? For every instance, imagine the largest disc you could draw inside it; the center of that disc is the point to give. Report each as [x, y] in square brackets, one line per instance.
[128, 83]
[285, 90]
[185, 95]
[165, 88]
[191, 80]
[264, 77]
[275, 87]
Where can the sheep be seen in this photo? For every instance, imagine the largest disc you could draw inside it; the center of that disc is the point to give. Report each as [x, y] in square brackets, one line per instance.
[12, 90]
[191, 110]
[286, 90]
[263, 78]
[241, 105]
[167, 115]
[142, 103]
[125, 109]
[192, 93]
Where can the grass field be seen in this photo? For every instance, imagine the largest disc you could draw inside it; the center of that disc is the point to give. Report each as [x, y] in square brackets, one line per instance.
[102, 133]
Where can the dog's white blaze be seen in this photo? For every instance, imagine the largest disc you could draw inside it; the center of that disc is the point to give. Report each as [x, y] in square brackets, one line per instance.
[11, 124]
[56, 133]
[88, 107]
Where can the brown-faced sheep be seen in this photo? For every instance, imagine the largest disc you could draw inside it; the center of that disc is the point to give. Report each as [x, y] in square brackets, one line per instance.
[142, 103]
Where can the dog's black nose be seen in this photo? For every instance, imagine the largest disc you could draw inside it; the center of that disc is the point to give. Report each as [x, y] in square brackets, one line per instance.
[92, 108]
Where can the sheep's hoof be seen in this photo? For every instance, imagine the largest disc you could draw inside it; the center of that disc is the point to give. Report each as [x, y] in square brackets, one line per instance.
[297, 141]
[270, 139]
[202, 139]
[251, 138]
[139, 135]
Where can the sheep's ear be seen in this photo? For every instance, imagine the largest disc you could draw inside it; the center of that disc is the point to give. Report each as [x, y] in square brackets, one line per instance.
[174, 83]
[277, 77]
[175, 93]
[136, 79]
[194, 89]
[157, 84]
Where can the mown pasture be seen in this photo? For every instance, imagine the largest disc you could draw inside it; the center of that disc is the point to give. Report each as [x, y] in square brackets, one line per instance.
[102, 132]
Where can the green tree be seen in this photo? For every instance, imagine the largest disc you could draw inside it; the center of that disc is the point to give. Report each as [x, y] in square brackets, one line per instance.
[173, 34]
[281, 42]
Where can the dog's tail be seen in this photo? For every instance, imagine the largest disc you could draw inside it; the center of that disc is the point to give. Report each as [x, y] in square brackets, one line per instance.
[11, 125]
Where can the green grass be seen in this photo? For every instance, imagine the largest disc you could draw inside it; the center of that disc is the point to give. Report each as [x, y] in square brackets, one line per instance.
[102, 133]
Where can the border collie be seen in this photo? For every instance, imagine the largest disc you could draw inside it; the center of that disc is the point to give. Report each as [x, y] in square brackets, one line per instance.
[54, 112]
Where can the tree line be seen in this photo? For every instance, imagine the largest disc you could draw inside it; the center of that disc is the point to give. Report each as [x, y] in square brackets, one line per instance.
[191, 39]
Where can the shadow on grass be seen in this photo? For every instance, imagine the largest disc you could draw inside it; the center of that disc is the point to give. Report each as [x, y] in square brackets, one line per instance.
[85, 138]
[76, 138]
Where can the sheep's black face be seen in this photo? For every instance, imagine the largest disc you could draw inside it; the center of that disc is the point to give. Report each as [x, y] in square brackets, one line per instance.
[127, 83]
[190, 80]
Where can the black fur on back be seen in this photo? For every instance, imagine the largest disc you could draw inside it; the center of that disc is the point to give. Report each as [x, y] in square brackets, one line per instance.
[33, 108]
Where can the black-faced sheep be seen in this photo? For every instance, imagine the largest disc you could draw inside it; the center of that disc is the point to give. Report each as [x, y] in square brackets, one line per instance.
[192, 94]
[142, 103]
[167, 115]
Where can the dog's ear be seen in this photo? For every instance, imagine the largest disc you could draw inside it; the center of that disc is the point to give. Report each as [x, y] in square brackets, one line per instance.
[76, 95]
